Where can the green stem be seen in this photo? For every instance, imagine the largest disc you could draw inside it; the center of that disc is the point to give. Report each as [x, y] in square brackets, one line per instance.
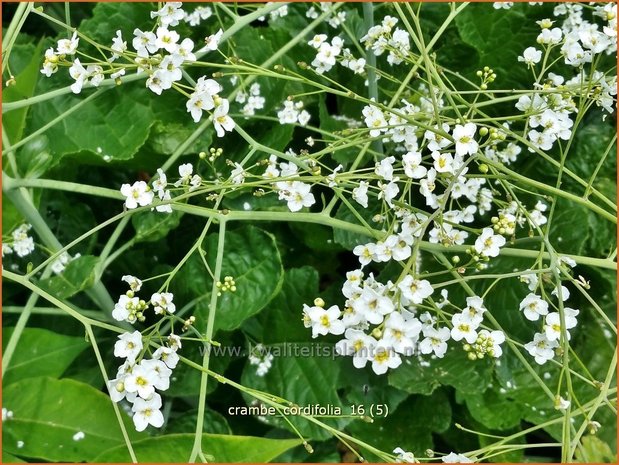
[370, 59]
[210, 327]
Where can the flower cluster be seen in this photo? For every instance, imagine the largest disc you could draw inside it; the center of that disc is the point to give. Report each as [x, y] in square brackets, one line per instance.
[20, 243]
[297, 194]
[161, 53]
[554, 323]
[251, 100]
[138, 377]
[262, 358]
[383, 38]
[293, 113]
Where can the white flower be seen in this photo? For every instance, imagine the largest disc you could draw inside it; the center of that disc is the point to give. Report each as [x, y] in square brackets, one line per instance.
[464, 137]
[384, 357]
[166, 39]
[488, 244]
[541, 348]
[298, 195]
[161, 373]
[435, 340]
[552, 328]
[358, 344]
[452, 457]
[324, 321]
[137, 194]
[411, 162]
[141, 380]
[365, 252]
[375, 120]
[118, 46]
[373, 306]
[360, 194]
[146, 412]
[162, 302]
[474, 310]
[384, 168]
[134, 283]
[128, 346]
[496, 338]
[50, 65]
[463, 328]
[144, 42]
[404, 457]
[22, 243]
[530, 56]
[415, 290]
[221, 120]
[68, 46]
[212, 42]
[170, 14]
[167, 355]
[400, 333]
[124, 309]
[317, 40]
[533, 306]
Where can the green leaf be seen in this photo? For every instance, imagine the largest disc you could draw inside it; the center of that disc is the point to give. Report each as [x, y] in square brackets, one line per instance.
[454, 369]
[153, 226]
[594, 450]
[25, 62]
[484, 408]
[185, 422]
[252, 259]
[348, 239]
[569, 229]
[8, 458]
[305, 378]
[410, 426]
[499, 36]
[78, 275]
[330, 124]
[34, 158]
[47, 413]
[282, 321]
[176, 448]
[40, 352]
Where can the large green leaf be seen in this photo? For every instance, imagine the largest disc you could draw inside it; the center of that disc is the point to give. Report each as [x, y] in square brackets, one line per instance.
[9, 458]
[303, 379]
[282, 321]
[175, 448]
[252, 259]
[454, 369]
[484, 407]
[185, 422]
[40, 352]
[152, 226]
[25, 61]
[410, 426]
[77, 276]
[499, 36]
[47, 413]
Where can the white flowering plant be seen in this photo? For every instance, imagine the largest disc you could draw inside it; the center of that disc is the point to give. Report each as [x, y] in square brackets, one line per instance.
[309, 232]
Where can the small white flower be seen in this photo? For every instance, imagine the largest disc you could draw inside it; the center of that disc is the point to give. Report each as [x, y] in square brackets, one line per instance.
[384, 357]
[415, 290]
[162, 302]
[212, 42]
[68, 46]
[134, 283]
[463, 329]
[452, 457]
[128, 346]
[324, 321]
[137, 194]
[358, 344]
[533, 306]
[221, 120]
[435, 340]
[360, 194]
[531, 56]
[541, 348]
[465, 139]
[488, 244]
[146, 412]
